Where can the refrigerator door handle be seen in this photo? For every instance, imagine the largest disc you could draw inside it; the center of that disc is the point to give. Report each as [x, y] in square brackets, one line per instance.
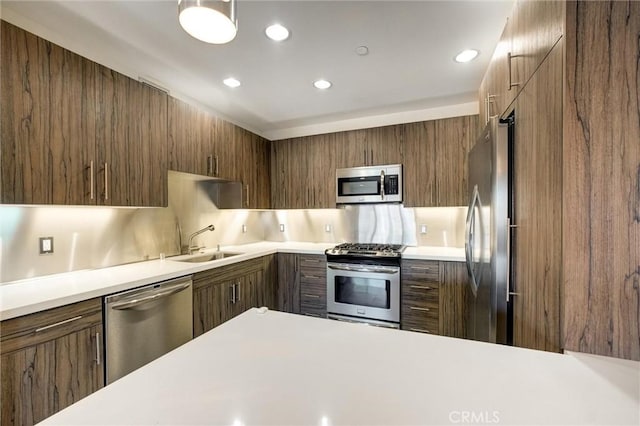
[469, 237]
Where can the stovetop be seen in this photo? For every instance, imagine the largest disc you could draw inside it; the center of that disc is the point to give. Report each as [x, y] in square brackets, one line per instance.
[366, 249]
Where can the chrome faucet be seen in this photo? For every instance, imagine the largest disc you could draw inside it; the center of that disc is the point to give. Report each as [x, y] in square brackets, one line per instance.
[190, 249]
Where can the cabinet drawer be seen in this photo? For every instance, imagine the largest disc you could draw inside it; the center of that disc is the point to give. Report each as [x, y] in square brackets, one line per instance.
[418, 293]
[429, 325]
[33, 329]
[312, 311]
[423, 270]
[312, 261]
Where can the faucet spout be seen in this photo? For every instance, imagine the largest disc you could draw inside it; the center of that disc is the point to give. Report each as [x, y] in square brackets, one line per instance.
[190, 248]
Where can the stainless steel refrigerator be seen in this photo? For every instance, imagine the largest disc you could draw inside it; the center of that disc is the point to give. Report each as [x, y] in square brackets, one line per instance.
[487, 234]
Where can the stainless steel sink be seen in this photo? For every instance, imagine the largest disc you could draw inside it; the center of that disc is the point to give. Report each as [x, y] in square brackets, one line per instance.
[197, 258]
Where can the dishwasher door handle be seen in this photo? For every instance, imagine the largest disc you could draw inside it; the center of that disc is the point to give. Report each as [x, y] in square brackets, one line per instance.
[133, 302]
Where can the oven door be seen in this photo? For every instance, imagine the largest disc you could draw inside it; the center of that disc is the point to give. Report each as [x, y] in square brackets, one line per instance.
[364, 291]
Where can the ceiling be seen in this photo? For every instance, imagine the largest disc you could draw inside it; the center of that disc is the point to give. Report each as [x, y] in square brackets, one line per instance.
[408, 75]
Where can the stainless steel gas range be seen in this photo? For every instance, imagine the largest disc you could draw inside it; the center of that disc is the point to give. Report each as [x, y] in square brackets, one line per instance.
[363, 283]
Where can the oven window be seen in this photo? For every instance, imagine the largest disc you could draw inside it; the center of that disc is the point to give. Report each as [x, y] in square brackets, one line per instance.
[359, 186]
[369, 292]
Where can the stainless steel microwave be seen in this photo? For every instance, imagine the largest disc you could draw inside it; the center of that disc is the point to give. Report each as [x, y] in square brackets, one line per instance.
[371, 184]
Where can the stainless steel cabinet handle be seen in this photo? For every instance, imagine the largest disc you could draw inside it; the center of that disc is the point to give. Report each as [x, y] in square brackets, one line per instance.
[106, 181]
[421, 268]
[420, 330]
[488, 101]
[421, 287]
[309, 314]
[237, 292]
[313, 296]
[509, 58]
[67, 321]
[233, 293]
[247, 197]
[351, 269]
[365, 156]
[98, 349]
[310, 276]
[215, 170]
[132, 303]
[371, 158]
[415, 308]
[509, 227]
[91, 183]
[209, 165]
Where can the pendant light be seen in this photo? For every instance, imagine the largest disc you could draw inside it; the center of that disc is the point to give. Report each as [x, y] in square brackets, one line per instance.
[212, 21]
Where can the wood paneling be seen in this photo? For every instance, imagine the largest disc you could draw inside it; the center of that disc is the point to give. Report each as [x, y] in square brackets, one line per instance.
[213, 301]
[47, 117]
[185, 144]
[288, 283]
[45, 371]
[313, 285]
[453, 293]
[601, 224]
[537, 192]
[420, 164]
[420, 293]
[454, 139]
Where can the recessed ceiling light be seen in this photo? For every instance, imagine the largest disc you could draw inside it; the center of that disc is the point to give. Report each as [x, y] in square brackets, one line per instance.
[277, 32]
[231, 82]
[466, 55]
[322, 84]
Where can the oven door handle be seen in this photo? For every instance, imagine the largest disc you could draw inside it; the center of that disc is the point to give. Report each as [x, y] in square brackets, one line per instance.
[352, 269]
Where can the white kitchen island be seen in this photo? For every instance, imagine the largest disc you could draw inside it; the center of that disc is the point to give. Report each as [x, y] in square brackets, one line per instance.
[275, 368]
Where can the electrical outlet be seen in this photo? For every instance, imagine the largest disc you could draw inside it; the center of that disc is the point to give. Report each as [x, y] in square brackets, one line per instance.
[244, 229]
[423, 229]
[46, 245]
[327, 228]
[282, 227]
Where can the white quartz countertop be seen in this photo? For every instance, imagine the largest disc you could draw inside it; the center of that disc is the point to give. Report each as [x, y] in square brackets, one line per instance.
[24, 297]
[282, 369]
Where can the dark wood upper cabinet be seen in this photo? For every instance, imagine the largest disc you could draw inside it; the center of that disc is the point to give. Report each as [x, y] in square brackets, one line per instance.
[369, 147]
[435, 164]
[74, 132]
[47, 120]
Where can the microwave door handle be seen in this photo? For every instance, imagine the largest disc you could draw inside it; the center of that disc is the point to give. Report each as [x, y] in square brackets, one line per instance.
[382, 184]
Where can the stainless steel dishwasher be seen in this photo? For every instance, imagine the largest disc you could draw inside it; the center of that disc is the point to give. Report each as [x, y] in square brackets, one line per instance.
[145, 323]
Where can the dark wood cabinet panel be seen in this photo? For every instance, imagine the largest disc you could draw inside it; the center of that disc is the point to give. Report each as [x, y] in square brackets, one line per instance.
[131, 140]
[184, 141]
[50, 360]
[222, 293]
[454, 139]
[288, 283]
[313, 285]
[537, 192]
[47, 117]
[435, 165]
[253, 167]
[601, 179]
[420, 164]
[453, 296]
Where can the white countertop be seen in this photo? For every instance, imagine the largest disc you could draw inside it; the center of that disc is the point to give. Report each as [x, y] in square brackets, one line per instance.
[277, 369]
[37, 294]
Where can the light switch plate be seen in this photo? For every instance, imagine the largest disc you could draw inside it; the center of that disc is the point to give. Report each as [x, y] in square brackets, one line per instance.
[282, 227]
[244, 229]
[423, 229]
[327, 227]
[46, 245]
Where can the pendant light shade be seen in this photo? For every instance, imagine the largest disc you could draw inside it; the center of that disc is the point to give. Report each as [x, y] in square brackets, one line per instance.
[212, 21]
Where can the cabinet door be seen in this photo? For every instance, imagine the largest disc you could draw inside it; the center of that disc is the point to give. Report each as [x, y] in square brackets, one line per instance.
[321, 172]
[420, 164]
[253, 168]
[452, 295]
[225, 149]
[288, 283]
[47, 121]
[131, 142]
[537, 195]
[313, 285]
[420, 304]
[384, 145]
[184, 138]
[49, 360]
[267, 290]
[454, 139]
[537, 26]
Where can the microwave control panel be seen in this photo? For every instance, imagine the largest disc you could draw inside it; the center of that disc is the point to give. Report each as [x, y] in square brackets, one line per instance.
[391, 185]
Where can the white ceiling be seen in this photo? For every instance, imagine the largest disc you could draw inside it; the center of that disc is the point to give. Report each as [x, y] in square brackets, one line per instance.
[408, 75]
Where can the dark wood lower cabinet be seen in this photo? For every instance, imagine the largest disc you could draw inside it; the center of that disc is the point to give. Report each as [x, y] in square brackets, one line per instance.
[433, 297]
[225, 292]
[288, 283]
[49, 360]
[313, 285]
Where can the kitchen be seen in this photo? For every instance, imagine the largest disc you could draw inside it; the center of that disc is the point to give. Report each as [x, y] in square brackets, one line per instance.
[577, 274]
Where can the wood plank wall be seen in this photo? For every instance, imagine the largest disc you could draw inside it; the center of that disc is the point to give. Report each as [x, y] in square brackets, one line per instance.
[601, 179]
